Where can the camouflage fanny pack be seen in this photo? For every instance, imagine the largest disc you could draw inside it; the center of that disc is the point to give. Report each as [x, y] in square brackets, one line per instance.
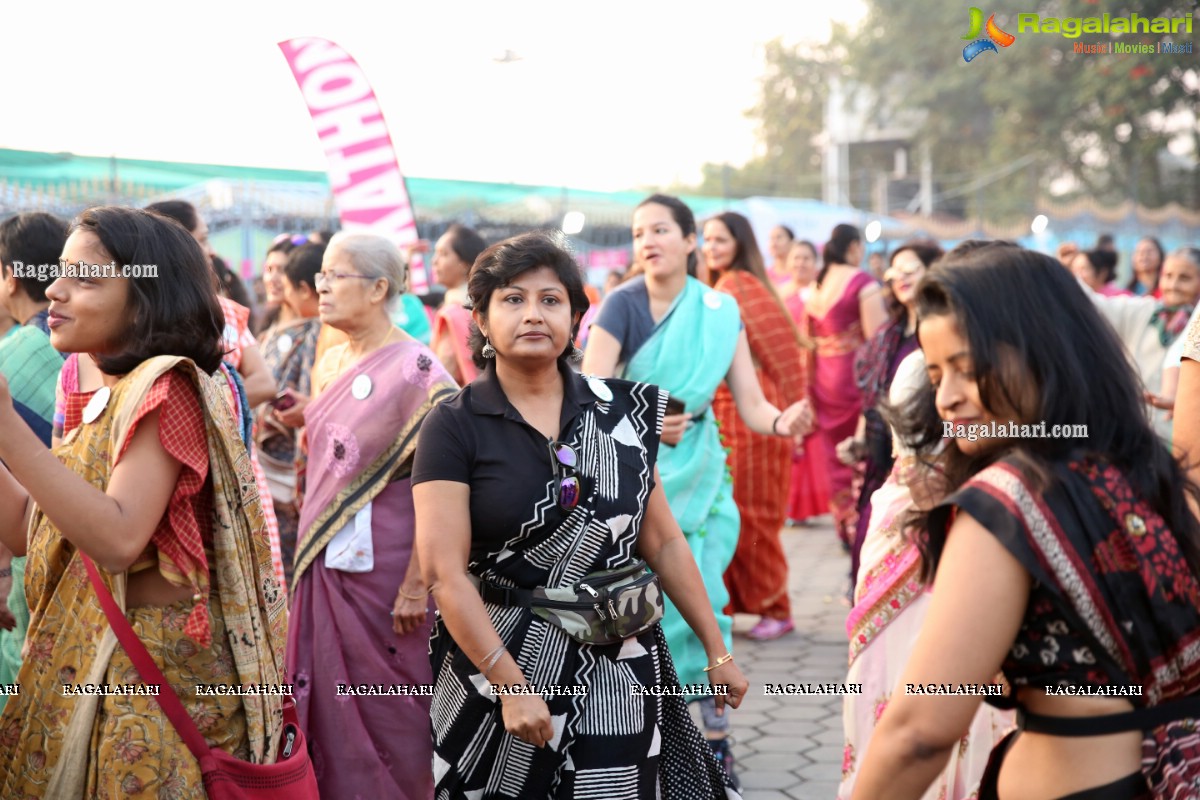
[603, 608]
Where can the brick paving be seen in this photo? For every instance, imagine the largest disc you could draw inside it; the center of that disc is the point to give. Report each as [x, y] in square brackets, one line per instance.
[790, 747]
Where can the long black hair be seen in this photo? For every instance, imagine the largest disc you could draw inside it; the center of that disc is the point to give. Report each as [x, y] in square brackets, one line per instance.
[1104, 263]
[748, 258]
[466, 243]
[835, 249]
[230, 284]
[1026, 319]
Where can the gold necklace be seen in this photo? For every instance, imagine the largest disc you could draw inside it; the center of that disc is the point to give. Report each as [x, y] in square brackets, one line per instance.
[346, 354]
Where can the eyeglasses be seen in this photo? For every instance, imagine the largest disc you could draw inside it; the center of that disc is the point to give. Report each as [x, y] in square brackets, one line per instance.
[567, 475]
[334, 277]
[296, 239]
[906, 271]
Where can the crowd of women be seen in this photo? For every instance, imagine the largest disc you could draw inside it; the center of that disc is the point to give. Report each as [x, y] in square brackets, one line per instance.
[453, 554]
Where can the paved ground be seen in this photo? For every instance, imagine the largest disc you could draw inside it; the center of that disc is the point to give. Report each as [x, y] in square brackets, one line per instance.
[790, 748]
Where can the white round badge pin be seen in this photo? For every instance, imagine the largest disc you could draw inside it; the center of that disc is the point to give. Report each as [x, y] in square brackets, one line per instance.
[599, 388]
[95, 407]
[361, 388]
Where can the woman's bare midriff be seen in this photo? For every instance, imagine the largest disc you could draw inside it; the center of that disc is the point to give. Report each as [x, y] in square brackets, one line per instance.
[149, 588]
[1041, 767]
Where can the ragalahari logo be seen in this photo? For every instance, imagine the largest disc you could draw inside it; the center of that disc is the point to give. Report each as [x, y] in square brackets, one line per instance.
[995, 36]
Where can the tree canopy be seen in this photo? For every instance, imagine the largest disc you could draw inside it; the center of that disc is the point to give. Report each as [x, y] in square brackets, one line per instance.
[1095, 124]
[790, 112]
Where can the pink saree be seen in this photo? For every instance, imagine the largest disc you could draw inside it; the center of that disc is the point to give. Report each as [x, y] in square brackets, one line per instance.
[808, 493]
[836, 398]
[453, 324]
[890, 603]
[360, 450]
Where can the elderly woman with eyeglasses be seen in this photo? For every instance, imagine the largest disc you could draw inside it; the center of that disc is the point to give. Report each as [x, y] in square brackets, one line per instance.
[360, 623]
[548, 542]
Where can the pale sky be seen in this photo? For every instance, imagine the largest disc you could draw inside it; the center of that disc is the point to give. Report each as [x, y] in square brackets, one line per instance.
[607, 95]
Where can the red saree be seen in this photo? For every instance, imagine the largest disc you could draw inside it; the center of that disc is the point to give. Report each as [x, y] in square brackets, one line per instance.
[757, 576]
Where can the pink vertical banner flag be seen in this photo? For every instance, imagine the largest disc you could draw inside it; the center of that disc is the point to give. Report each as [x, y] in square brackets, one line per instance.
[368, 185]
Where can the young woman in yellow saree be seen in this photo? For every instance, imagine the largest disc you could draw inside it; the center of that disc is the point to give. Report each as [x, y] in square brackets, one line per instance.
[154, 485]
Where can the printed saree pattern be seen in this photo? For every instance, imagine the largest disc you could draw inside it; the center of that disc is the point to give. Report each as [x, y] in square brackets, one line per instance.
[360, 454]
[62, 746]
[757, 576]
[1113, 599]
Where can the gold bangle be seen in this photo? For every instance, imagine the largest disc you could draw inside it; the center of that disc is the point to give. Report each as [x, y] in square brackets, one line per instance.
[407, 596]
[723, 660]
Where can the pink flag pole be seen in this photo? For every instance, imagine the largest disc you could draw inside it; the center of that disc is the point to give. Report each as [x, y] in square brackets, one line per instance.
[368, 186]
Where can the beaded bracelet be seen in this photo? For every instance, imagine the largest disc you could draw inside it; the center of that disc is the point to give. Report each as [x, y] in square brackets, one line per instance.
[725, 659]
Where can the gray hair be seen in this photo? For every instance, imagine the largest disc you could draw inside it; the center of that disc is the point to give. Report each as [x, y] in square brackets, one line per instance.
[375, 257]
[1191, 254]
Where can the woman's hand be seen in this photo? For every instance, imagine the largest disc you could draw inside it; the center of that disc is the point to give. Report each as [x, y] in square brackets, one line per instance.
[730, 675]
[409, 614]
[674, 426]
[1066, 253]
[419, 246]
[7, 620]
[294, 416]
[850, 450]
[1159, 401]
[527, 717]
[796, 420]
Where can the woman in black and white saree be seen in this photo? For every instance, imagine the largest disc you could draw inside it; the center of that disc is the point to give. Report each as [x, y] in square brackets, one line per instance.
[548, 542]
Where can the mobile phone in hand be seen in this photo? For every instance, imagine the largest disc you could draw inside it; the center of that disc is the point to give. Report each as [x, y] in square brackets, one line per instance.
[284, 400]
[674, 406]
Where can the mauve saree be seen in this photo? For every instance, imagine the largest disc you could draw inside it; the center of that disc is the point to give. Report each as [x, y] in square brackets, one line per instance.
[359, 454]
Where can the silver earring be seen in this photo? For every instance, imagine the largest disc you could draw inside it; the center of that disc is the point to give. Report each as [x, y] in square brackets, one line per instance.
[488, 351]
[576, 354]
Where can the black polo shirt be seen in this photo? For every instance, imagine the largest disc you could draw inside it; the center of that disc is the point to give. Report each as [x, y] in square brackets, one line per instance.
[478, 438]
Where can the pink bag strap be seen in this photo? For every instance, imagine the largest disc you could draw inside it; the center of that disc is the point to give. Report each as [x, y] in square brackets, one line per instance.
[150, 674]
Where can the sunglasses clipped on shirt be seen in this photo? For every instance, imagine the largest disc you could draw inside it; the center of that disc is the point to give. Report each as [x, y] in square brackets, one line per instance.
[566, 472]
